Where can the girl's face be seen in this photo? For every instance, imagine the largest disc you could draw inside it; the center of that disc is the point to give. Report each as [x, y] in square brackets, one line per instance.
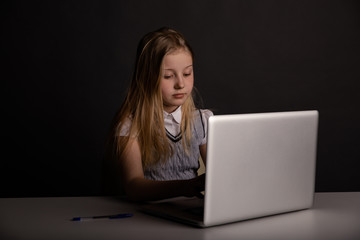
[177, 79]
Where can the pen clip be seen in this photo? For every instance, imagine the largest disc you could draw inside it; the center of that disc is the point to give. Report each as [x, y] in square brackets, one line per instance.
[116, 216]
[123, 215]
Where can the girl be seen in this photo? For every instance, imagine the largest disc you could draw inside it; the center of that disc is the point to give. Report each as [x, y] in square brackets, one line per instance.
[158, 134]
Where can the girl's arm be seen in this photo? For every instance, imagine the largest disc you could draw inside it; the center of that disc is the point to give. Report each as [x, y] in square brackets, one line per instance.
[138, 188]
[203, 153]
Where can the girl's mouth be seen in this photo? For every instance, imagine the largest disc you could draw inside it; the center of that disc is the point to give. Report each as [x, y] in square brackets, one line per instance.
[179, 95]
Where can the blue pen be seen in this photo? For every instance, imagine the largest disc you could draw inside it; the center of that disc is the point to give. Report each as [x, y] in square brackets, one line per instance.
[116, 216]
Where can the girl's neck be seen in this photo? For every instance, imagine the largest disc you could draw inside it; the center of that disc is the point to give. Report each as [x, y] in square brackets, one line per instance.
[172, 110]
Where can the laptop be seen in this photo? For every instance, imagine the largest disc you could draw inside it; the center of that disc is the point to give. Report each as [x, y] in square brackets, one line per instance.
[257, 165]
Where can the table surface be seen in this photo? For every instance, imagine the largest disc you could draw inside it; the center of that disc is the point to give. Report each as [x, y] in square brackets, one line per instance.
[333, 216]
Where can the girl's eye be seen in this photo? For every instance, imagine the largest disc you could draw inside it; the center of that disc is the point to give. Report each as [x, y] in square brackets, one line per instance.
[167, 76]
[187, 74]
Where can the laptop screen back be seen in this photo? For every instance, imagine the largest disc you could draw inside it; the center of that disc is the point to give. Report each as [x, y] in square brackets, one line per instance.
[259, 164]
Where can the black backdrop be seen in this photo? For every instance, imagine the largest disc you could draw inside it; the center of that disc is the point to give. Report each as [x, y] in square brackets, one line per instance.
[66, 65]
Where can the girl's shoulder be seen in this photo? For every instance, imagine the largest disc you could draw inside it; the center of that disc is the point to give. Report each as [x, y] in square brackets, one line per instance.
[125, 127]
[206, 114]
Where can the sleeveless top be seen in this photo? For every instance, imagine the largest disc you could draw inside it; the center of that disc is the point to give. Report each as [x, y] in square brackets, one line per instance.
[181, 165]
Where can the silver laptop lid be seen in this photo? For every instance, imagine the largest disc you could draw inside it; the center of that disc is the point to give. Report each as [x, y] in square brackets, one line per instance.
[259, 164]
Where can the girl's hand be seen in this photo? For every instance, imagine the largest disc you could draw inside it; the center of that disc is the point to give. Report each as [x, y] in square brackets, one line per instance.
[195, 186]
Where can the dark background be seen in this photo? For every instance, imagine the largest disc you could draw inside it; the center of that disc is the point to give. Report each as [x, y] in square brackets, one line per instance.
[66, 65]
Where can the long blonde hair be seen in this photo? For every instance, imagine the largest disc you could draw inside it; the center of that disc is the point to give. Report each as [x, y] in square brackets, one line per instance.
[143, 104]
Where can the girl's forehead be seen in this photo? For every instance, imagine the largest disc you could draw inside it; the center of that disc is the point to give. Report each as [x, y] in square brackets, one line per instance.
[177, 51]
[177, 55]
[177, 59]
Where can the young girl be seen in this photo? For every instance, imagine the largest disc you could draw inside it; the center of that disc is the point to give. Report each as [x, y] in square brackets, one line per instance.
[158, 134]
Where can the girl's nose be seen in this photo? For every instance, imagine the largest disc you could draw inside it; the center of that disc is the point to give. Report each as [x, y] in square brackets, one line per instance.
[179, 83]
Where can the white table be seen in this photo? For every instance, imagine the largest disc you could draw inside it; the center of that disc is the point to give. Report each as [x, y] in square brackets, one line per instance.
[334, 216]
